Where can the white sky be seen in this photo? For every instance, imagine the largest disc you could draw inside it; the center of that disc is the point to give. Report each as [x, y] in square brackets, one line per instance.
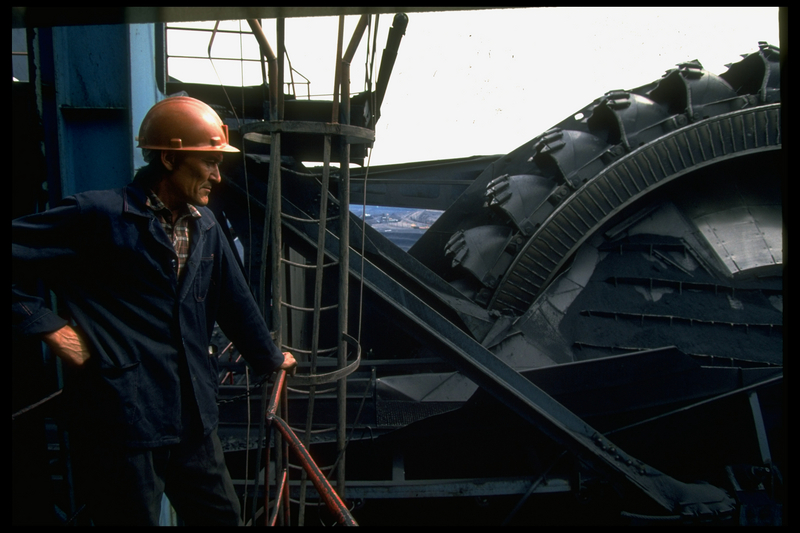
[485, 82]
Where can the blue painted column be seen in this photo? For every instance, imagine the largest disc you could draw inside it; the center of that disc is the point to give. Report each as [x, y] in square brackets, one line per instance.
[105, 81]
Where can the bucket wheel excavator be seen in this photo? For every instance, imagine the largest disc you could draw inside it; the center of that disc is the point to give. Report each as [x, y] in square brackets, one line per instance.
[613, 284]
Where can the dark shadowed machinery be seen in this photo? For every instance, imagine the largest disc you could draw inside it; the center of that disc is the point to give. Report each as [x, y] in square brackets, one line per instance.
[591, 332]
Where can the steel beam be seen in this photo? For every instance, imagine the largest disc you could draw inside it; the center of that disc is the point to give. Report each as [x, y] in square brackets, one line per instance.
[424, 185]
[34, 17]
[441, 488]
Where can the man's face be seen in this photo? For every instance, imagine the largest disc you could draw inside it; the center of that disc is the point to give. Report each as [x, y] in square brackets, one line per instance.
[193, 175]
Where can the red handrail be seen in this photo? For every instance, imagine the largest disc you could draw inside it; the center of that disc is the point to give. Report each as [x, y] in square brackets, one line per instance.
[280, 495]
[321, 483]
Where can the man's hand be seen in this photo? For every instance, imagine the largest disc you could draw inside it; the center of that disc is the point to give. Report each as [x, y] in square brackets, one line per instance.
[289, 363]
[68, 345]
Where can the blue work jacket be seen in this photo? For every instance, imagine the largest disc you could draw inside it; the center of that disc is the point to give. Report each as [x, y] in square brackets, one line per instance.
[110, 260]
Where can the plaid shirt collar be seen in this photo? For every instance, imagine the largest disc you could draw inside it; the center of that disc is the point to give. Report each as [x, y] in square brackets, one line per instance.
[178, 233]
[155, 203]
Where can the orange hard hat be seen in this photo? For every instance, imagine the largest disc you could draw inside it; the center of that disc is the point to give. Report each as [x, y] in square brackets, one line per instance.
[184, 123]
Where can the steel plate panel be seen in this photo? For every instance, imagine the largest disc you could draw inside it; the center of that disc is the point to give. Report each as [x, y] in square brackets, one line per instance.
[744, 237]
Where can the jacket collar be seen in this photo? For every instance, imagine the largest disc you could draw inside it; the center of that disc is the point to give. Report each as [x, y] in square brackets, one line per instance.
[134, 201]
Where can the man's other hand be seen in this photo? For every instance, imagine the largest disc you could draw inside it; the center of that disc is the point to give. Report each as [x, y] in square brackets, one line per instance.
[68, 345]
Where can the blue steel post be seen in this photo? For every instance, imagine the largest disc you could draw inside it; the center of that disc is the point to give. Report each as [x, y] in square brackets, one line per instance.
[105, 81]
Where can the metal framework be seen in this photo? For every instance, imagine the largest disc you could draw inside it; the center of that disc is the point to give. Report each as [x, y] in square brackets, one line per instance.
[272, 232]
[528, 216]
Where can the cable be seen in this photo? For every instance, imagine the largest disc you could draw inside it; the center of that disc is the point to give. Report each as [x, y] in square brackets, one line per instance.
[364, 192]
[246, 444]
[249, 224]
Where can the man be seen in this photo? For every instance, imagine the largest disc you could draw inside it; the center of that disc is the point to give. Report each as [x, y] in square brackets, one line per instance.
[146, 272]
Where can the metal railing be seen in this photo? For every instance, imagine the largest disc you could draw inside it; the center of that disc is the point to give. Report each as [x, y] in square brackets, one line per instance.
[227, 54]
[326, 491]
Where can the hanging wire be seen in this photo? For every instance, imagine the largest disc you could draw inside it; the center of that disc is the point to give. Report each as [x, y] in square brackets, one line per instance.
[222, 85]
[249, 220]
[246, 446]
[238, 125]
[247, 272]
[244, 165]
[371, 74]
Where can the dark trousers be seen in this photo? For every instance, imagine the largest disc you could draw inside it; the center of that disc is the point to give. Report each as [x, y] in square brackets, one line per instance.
[125, 486]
